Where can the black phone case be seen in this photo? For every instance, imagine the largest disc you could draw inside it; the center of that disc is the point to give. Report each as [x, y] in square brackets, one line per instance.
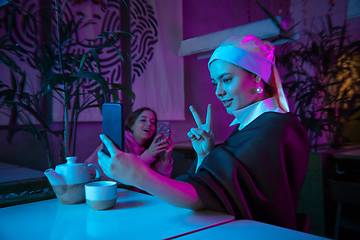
[113, 124]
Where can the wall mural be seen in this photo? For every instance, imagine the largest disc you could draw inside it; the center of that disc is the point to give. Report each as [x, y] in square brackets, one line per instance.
[144, 28]
[161, 85]
[157, 28]
[107, 18]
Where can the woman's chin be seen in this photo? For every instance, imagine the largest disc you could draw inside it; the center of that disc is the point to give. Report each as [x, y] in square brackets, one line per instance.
[229, 111]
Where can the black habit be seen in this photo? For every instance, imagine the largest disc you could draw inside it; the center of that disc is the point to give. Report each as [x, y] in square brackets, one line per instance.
[257, 173]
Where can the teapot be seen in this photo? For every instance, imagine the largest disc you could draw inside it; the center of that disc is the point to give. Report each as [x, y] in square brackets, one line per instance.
[68, 180]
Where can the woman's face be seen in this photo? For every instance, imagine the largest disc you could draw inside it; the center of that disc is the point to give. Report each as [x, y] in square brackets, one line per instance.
[235, 87]
[144, 126]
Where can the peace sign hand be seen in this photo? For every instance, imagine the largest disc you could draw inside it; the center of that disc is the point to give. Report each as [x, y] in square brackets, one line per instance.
[202, 137]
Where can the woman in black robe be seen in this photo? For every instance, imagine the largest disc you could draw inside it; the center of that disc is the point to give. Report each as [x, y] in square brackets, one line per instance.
[257, 173]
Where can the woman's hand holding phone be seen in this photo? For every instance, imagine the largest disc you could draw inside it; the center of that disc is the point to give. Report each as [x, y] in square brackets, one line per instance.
[162, 143]
[158, 145]
[168, 152]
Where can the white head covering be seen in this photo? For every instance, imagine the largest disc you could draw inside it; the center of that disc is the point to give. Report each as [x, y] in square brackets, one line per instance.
[256, 56]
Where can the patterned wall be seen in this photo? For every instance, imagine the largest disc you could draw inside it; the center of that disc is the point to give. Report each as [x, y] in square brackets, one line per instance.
[105, 15]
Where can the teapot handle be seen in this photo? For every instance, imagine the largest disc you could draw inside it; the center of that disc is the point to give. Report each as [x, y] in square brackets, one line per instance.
[97, 170]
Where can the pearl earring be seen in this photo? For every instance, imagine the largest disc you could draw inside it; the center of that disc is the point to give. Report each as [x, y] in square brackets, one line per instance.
[258, 89]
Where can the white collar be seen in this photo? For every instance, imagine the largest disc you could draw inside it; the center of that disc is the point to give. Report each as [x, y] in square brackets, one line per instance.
[248, 114]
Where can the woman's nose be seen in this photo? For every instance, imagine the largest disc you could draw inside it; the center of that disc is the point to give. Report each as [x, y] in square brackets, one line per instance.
[219, 91]
[149, 124]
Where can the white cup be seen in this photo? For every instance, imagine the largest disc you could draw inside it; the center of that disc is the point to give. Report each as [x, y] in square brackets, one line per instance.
[101, 195]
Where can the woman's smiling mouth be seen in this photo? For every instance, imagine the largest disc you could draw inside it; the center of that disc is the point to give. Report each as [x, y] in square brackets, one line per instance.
[227, 103]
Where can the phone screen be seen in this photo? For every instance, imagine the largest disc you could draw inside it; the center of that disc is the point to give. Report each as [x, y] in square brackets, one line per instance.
[113, 124]
[164, 128]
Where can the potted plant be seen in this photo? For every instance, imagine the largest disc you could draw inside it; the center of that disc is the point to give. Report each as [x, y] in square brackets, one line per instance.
[323, 82]
[323, 79]
[62, 74]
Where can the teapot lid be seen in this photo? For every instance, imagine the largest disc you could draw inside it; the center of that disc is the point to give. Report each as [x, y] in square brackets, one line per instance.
[71, 160]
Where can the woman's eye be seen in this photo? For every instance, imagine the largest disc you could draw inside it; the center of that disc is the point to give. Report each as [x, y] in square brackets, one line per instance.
[142, 120]
[214, 84]
[226, 80]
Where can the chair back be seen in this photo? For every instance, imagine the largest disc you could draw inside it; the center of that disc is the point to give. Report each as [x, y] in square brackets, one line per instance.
[345, 192]
[303, 222]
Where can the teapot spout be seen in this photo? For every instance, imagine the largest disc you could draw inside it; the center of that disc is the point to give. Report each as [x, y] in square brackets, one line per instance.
[54, 178]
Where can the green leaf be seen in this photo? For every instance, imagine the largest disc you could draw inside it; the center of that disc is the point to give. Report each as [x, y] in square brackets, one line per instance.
[82, 61]
[65, 42]
[53, 79]
[12, 122]
[59, 89]
[314, 126]
[74, 108]
[288, 75]
[94, 76]
[22, 82]
[10, 47]
[115, 95]
[293, 88]
[50, 51]
[124, 89]
[119, 53]
[74, 63]
[8, 94]
[96, 58]
[91, 106]
[13, 81]
[30, 110]
[99, 99]
[271, 16]
[41, 65]
[46, 60]
[30, 129]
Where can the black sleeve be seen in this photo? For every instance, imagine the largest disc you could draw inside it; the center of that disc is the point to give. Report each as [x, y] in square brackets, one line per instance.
[257, 172]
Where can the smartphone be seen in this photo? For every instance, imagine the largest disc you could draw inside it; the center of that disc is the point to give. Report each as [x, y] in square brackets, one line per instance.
[113, 124]
[163, 127]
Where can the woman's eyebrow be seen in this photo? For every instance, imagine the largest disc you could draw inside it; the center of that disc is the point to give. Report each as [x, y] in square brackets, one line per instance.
[221, 76]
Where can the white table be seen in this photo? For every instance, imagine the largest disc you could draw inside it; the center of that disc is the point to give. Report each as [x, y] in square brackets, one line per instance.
[134, 216]
[249, 230]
